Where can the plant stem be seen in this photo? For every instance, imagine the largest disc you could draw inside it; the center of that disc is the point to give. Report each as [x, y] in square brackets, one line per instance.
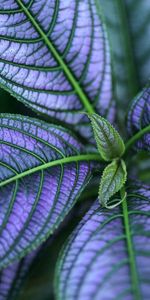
[130, 249]
[61, 161]
[136, 137]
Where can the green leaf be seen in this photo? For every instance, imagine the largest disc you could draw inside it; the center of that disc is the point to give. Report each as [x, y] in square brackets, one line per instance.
[113, 179]
[127, 22]
[109, 143]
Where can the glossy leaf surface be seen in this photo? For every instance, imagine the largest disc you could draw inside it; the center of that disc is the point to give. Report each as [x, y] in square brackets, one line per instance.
[40, 180]
[55, 57]
[107, 256]
[139, 118]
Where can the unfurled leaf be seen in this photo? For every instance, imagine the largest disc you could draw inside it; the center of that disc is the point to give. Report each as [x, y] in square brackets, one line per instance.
[109, 143]
[41, 175]
[107, 256]
[139, 118]
[128, 28]
[113, 179]
[55, 58]
[12, 278]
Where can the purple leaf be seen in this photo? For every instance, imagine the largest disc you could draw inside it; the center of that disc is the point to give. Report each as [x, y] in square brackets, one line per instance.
[107, 256]
[139, 117]
[55, 58]
[41, 175]
[12, 278]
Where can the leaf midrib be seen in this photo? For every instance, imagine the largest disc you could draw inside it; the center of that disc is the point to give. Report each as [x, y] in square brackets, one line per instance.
[83, 97]
[114, 175]
[130, 249]
[65, 160]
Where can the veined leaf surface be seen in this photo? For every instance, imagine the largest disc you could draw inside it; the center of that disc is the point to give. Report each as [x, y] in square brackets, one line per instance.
[109, 143]
[41, 175]
[112, 180]
[12, 278]
[108, 255]
[128, 27]
[54, 57]
[139, 118]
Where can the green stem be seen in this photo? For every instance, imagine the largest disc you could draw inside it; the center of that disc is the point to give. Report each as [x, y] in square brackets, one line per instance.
[130, 249]
[65, 160]
[83, 97]
[136, 137]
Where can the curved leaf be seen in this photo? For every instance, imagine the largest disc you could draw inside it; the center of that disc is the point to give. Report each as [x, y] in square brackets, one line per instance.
[128, 27]
[113, 179]
[41, 175]
[108, 255]
[109, 143]
[55, 57]
[12, 278]
[139, 118]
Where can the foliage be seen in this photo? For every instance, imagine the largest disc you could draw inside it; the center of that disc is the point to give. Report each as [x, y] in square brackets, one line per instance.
[68, 70]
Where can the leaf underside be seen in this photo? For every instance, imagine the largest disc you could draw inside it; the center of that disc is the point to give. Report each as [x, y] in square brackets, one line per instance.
[107, 256]
[139, 118]
[55, 58]
[37, 187]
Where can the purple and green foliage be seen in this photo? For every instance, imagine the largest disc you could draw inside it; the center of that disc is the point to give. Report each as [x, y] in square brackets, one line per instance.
[139, 118]
[55, 66]
[42, 174]
[107, 256]
[12, 278]
[55, 58]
